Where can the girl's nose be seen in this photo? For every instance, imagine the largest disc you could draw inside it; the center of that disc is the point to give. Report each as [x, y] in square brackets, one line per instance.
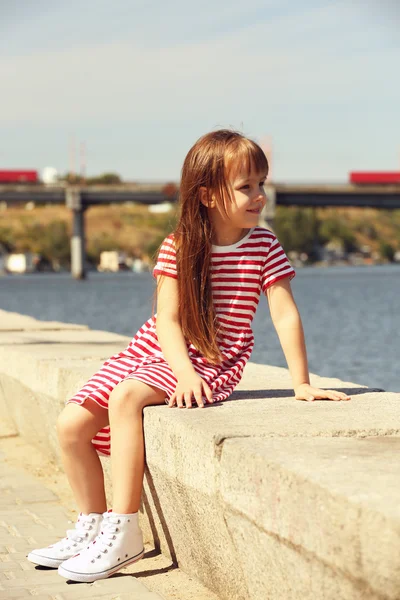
[262, 196]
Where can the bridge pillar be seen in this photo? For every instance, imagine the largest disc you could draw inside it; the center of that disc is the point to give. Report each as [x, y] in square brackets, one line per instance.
[268, 213]
[74, 202]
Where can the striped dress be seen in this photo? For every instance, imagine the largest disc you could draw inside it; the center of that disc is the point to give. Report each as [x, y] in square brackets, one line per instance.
[239, 273]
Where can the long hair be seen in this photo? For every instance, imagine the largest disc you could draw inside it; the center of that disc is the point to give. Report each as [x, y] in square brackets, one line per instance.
[209, 163]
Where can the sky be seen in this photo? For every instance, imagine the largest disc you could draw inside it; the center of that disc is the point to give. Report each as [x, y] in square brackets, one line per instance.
[139, 81]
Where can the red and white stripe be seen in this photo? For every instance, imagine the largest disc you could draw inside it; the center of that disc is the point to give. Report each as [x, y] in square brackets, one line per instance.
[239, 273]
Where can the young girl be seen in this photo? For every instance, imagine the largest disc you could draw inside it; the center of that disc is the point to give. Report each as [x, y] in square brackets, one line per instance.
[210, 274]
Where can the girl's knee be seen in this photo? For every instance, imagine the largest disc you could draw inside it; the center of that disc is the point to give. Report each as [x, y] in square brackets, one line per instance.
[73, 428]
[125, 399]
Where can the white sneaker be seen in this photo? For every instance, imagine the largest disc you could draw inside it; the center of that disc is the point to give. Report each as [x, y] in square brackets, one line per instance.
[86, 529]
[119, 543]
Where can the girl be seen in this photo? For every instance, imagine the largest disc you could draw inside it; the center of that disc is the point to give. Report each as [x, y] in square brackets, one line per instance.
[210, 274]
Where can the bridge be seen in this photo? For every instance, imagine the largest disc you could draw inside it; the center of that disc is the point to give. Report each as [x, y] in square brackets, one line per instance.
[373, 196]
[80, 198]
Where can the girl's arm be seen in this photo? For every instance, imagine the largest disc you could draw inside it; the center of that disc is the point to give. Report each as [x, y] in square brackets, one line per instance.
[168, 327]
[174, 349]
[287, 322]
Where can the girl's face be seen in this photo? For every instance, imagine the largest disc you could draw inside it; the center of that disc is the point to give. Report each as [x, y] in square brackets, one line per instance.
[242, 209]
[248, 198]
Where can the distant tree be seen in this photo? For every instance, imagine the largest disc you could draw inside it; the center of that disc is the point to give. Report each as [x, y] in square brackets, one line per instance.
[367, 229]
[335, 228]
[101, 243]
[386, 251]
[7, 238]
[152, 247]
[72, 178]
[296, 228]
[55, 244]
[51, 242]
[105, 179]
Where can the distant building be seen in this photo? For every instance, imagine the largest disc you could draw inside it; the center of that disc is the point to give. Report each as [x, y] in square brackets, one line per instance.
[50, 176]
[109, 261]
[21, 263]
[114, 261]
[333, 251]
[164, 207]
[138, 265]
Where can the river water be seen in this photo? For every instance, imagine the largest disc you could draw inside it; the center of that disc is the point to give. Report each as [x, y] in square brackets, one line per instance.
[351, 315]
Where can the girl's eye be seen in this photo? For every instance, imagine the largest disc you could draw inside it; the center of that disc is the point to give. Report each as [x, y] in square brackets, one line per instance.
[262, 183]
[245, 187]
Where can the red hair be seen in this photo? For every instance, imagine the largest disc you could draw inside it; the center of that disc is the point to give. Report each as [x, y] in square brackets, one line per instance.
[209, 163]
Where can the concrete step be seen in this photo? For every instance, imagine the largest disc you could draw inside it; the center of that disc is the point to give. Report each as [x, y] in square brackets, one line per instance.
[35, 510]
[258, 497]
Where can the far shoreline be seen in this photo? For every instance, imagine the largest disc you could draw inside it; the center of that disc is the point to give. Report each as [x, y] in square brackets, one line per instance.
[128, 272]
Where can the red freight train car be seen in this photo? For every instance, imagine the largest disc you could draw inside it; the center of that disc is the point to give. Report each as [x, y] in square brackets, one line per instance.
[20, 176]
[375, 178]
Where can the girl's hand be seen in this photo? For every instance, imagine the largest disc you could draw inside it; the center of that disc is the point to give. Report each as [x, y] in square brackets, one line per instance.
[189, 385]
[309, 393]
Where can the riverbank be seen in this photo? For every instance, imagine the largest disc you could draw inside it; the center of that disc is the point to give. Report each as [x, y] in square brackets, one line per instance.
[143, 267]
[331, 235]
[287, 499]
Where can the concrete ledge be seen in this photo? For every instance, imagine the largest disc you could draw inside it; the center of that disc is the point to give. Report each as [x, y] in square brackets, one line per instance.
[259, 497]
[15, 322]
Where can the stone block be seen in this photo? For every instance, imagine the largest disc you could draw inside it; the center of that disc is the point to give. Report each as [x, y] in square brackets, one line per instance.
[335, 502]
[258, 497]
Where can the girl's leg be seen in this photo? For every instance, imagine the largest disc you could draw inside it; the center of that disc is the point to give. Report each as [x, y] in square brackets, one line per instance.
[121, 540]
[77, 425]
[125, 408]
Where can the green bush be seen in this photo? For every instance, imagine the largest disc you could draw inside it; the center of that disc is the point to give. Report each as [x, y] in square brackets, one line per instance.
[335, 228]
[105, 179]
[387, 251]
[296, 228]
[367, 229]
[51, 241]
[7, 238]
[101, 243]
[55, 243]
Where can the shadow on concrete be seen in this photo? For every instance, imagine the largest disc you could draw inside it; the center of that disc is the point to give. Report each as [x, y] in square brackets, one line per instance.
[149, 572]
[139, 574]
[160, 515]
[241, 395]
[273, 394]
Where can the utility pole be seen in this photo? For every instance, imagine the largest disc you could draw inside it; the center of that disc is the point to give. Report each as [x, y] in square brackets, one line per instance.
[83, 161]
[268, 213]
[74, 202]
[72, 156]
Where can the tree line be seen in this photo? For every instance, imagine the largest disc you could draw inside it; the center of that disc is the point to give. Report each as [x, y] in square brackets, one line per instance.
[302, 230]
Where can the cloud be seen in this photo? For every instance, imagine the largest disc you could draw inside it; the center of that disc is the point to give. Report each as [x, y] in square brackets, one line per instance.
[144, 23]
[309, 78]
[269, 65]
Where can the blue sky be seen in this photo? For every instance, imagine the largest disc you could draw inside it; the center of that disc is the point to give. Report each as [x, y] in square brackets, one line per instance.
[140, 81]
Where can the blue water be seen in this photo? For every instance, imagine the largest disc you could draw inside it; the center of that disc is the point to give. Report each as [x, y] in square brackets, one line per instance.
[351, 315]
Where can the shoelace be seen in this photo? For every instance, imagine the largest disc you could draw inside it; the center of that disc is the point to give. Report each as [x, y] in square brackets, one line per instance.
[106, 537]
[77, 535]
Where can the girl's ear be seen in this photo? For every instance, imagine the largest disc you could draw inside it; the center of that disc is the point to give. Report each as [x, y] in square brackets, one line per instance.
[205, 199]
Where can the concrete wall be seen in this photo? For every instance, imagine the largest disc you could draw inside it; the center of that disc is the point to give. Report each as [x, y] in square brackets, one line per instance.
[260, 497]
